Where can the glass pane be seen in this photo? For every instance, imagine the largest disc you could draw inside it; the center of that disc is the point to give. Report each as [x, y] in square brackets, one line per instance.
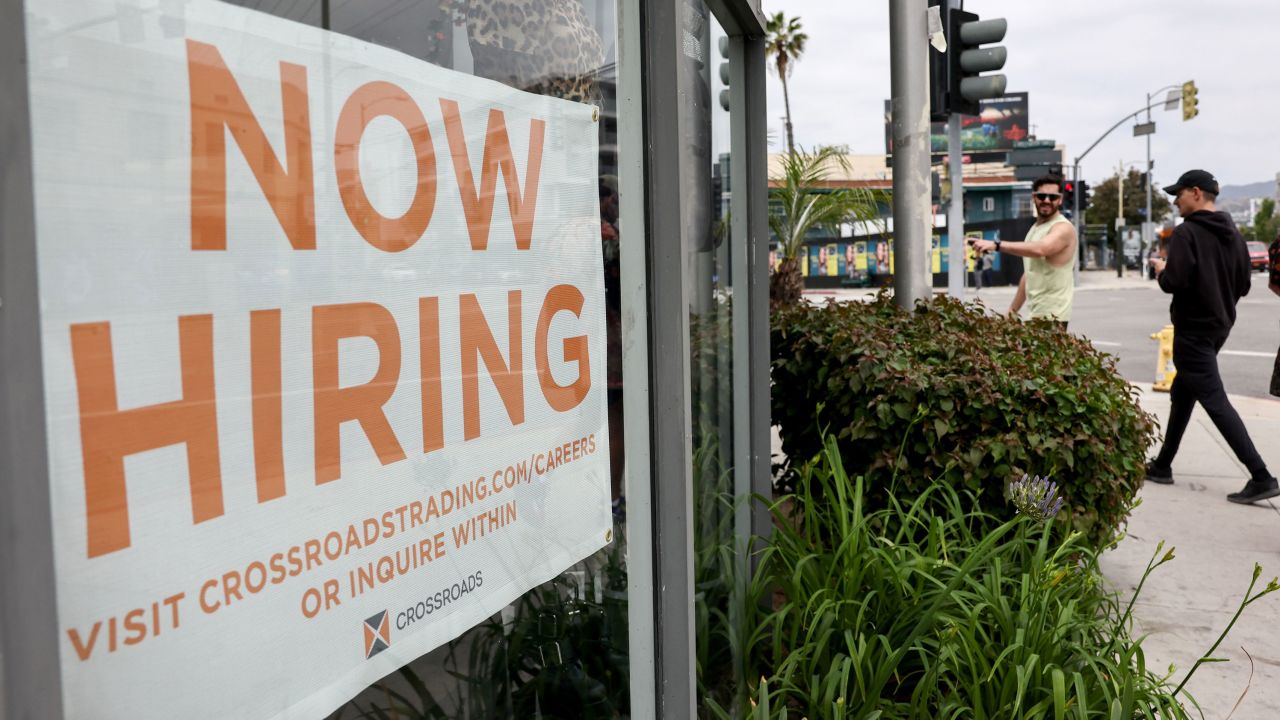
[705, 128]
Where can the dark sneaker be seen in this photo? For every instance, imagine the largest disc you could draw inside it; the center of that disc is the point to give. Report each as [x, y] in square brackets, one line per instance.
[1159, 475]
[1256, 490]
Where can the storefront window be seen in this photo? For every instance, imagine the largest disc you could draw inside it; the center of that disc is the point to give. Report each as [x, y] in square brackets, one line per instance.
[321, 310]
[317, 300]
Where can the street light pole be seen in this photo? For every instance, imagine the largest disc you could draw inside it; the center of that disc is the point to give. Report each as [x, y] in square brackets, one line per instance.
[1147, 226]
[1076, 173]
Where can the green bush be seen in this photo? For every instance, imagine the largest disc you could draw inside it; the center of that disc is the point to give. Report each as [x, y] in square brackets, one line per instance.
[925, 609]
[946, 392]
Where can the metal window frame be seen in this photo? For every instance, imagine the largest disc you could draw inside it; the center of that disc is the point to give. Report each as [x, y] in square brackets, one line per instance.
[670, 498]
[668, 419]
[633, 263]
[32, 676]
[749, 209]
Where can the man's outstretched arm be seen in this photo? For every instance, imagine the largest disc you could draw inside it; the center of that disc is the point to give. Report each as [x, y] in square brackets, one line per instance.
[1058, 239]
[1019, 297]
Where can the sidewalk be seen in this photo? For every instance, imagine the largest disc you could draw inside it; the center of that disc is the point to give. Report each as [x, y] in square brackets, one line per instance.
[1002, 294]
[1189, 601]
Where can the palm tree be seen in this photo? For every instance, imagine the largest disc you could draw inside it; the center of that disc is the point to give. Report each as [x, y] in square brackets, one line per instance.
[785, 45]
[805, 205]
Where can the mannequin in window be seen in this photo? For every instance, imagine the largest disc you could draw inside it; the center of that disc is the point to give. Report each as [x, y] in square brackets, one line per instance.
[547, 47]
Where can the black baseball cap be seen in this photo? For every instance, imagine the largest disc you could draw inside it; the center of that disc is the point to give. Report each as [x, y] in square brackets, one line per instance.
[1202, 179]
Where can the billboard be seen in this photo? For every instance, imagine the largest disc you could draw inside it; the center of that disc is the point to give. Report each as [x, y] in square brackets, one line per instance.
[323, 345]
[986, 137]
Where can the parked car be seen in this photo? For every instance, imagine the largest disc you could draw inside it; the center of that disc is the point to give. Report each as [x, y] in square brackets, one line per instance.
[1257, 255]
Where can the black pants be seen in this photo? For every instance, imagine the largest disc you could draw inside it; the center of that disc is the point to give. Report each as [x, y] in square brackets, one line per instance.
[1196, 360]
[1275, 376]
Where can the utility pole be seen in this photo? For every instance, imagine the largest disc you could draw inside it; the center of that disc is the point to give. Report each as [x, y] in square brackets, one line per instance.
[909, 106]
[1119, 220]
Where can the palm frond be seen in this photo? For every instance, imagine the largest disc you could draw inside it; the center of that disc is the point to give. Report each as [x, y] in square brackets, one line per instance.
[806, 204]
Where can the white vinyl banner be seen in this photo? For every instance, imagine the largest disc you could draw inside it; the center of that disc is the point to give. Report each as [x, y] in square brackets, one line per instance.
[324, 354]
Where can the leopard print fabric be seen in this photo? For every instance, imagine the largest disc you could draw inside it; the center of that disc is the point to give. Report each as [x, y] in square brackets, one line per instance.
[547, 47]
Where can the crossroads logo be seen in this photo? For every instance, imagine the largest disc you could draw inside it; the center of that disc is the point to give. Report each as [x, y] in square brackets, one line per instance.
[377, 634]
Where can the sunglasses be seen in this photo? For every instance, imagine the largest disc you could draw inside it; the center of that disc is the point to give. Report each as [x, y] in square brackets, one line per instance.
[1046, 197]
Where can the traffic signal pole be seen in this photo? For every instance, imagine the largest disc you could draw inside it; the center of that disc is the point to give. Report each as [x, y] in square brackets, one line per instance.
[1075, 213]
[955, 214]
[909, 108]
[957, 88]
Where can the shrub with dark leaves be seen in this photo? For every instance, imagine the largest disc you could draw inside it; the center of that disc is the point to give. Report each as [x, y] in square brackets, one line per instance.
[948, 393]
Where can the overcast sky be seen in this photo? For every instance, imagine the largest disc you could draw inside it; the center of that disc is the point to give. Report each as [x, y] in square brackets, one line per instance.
[1085, 63]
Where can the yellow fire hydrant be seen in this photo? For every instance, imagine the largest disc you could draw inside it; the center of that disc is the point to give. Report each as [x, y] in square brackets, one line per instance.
[1164, 360]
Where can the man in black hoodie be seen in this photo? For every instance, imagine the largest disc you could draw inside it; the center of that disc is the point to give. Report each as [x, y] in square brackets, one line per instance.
[1207, 272]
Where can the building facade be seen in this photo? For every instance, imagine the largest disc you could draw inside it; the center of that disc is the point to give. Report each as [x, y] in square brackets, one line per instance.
[996, 205]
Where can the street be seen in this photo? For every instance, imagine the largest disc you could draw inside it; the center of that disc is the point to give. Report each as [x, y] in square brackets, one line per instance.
[1119, 316]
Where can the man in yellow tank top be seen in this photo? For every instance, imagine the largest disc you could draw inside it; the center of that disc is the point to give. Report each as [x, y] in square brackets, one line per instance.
[1048, 282]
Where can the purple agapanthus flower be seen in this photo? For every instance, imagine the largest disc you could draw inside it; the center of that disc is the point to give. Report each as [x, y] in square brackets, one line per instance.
[1037, 498]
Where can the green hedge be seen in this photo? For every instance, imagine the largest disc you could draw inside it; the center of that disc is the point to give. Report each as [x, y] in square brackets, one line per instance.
[948, 392]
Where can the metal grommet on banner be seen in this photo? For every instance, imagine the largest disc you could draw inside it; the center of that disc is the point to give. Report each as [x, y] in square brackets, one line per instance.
[608, 535]
[595, 113]
[542, 653]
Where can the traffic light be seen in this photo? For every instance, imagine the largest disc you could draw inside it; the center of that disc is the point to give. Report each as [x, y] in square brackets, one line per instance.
[957, 84]
[1082, 189]
[724, 72]
[1189, 101]
[1068, 195]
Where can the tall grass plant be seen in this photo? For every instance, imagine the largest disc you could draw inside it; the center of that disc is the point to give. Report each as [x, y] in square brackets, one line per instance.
[928, 609]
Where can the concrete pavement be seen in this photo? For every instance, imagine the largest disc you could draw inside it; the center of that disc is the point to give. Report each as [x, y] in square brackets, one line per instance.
[998, 297]
[1186, 603]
